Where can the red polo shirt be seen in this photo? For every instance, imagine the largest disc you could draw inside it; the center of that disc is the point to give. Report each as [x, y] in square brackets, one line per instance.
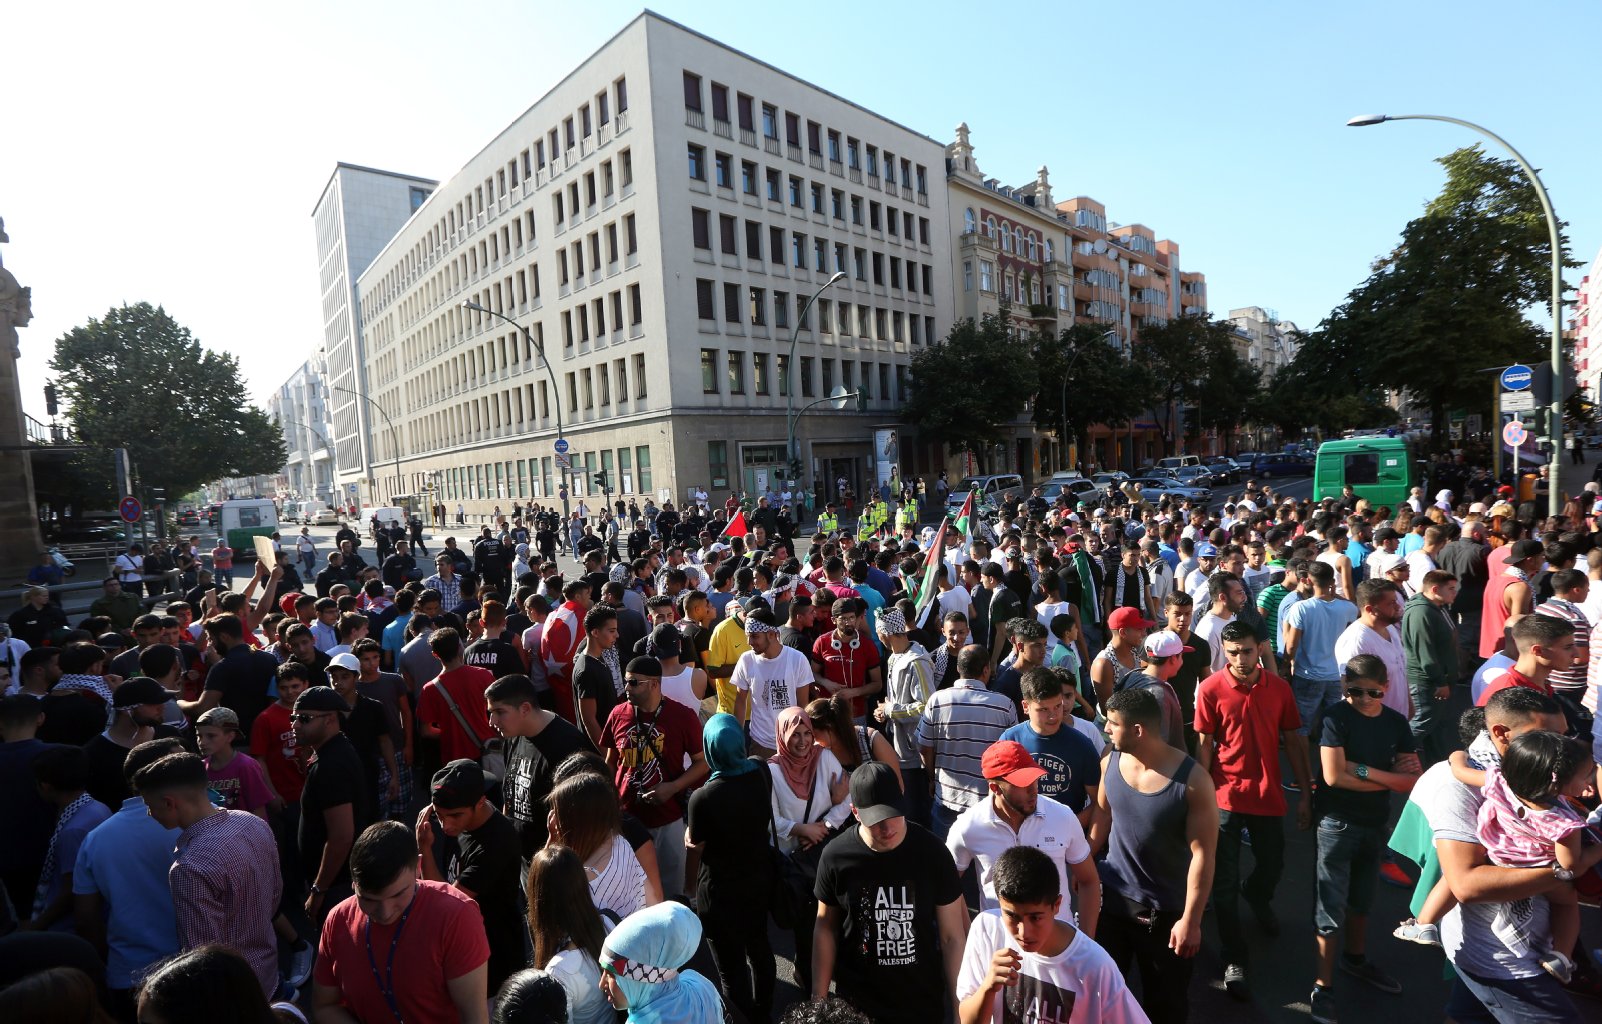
[1513, 677]
[1245, 726]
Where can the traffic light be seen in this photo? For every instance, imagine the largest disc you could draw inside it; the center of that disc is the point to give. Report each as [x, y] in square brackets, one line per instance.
[52, 407]
[600, 480]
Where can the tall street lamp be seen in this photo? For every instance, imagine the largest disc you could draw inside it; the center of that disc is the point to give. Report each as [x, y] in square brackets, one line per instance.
[394, 439]
[1555, 412]
[792, 457]
[556, 395]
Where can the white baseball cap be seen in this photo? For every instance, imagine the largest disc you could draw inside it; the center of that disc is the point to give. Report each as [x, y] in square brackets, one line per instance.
[1165, 644]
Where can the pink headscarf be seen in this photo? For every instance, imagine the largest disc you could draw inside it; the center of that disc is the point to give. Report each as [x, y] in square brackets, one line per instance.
[799, 772]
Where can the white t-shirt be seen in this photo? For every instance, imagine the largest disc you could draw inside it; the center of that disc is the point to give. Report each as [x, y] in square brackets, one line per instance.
[1208, 627]
[1080, 985]
[1045, 611]
[1380, 562]
[978, 835]
[1359, 639]
[957, 599]
[681, 687]
[580, 976]
[1419, 563]
[774, 684]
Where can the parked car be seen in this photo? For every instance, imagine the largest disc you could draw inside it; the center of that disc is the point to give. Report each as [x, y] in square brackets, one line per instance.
[87, 533]
[1222, 469]
[1178, 461]
[1194, 476]
[1073, 487]
[993, 490]
[325, 516]
[1114, 477]
[1155, 488]
[1282, 464]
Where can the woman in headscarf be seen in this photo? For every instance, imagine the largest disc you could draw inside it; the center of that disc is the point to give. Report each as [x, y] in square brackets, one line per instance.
[1443, 501]
[728, 825]
[811, 795]
[520, 564]
[641, 968]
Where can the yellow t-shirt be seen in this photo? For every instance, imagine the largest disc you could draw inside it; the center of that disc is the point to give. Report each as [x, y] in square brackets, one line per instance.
[727, 644]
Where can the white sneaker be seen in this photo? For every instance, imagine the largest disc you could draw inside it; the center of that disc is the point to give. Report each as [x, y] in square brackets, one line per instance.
[1423, 934]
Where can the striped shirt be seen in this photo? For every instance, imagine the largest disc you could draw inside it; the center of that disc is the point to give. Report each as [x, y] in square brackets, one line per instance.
[959, 723]
[225, 888]
[1268, 603]
[1571, 679]
[450, 590]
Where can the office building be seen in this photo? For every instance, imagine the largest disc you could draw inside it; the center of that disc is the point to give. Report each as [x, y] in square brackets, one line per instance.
[301, 410]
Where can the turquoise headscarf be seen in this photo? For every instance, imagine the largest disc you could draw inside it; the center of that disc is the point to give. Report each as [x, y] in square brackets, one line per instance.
[724, 744]
[644, 953]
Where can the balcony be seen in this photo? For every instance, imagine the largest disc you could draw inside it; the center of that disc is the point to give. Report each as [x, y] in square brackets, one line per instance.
[722, 129]
[695, 119]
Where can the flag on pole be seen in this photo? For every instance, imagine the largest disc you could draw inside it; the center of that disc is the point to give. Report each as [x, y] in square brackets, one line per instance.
[926, 590]
[736, 527]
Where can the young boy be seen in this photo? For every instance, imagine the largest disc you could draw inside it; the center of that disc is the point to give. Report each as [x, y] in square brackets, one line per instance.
[1022, 962]
[1071, 759]
[237, 778]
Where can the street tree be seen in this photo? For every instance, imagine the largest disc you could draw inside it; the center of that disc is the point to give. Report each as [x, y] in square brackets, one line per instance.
[1448, 300]
[1175, 356]
[137, 379]
[1099, 383]
[968, 390]
[1223, 395]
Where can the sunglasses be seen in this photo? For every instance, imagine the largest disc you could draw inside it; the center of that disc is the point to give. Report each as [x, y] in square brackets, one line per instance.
[1358, 691]
[304, 716]
[634, 681]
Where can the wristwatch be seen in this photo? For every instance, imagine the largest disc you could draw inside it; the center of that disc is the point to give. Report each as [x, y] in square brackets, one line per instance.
[316, 889]
[1561, 873]
[1360, 770]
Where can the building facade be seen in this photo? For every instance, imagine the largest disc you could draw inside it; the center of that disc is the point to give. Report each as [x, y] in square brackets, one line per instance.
[1056, 264]
[655, 226]
[300, 407]
[359, 211]
[1263, 339]
[1587, 333]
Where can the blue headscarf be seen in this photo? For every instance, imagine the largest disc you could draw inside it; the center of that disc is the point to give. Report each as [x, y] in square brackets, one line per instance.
[724, 743]
[644, 953]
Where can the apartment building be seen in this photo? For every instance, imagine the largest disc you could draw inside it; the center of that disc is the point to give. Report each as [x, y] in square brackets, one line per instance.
[300, 407]
[1587, 334]
[1054, 264]
[654, 228]
[359, 211]
[1263, 339]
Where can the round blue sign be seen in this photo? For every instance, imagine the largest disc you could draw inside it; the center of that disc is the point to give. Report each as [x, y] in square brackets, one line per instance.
[130, 509]
[561, 442]
[1517, 377]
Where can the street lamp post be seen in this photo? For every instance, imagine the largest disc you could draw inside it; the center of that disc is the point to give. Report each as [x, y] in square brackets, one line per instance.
[1555, 411]
[394, 439]
[556, 396]
[792, 457]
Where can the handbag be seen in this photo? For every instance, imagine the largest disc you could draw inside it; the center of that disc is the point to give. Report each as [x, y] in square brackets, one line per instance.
[491, 752]
[780, 904]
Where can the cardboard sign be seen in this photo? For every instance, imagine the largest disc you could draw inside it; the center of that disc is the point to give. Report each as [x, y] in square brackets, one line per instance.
[264, 551]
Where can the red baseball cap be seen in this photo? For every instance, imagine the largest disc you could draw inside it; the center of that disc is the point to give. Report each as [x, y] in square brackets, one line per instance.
[287, 602]
[1009, 761]
[1128, 618]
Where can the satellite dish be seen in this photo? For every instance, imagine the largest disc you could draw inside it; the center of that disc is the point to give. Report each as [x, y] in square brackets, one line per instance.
[840, 396]
[1100, 246]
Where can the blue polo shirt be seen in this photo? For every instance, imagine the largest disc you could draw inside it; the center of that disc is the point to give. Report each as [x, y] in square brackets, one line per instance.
[125, 860]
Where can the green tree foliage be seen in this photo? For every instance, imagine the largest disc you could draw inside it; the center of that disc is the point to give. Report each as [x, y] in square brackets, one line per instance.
[967, 390]
[1292, 400]
[1189, 360]
[1447, 301]
[1101, 385]
[137, 379]
[1224, 393]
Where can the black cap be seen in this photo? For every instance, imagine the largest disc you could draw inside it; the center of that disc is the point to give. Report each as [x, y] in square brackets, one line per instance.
[321, 698]
[113, 641]
[665, 641]
[139, 690]
[645, 665]
[1522, 549]
[1384, 534]
[459, 784]
[876, 794]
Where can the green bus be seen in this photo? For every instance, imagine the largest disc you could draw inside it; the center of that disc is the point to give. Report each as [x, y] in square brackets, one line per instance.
[1382, 469]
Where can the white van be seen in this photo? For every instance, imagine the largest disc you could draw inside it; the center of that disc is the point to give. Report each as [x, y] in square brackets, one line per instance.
[993, 490]
[241, 519]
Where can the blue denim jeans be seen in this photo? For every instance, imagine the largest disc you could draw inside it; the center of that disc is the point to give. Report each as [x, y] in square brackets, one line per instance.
[1537, 1000]
[1348, 868]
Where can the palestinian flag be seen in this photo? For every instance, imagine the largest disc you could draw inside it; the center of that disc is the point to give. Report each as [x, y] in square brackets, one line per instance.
[926, 591]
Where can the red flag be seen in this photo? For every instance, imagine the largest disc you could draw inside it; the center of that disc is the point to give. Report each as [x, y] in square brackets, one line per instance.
[736, 527]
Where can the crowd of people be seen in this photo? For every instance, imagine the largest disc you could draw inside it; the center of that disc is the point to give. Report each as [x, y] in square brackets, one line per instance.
[996, 775]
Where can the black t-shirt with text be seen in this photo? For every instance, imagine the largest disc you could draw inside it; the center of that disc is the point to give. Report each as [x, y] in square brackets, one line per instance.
[495, 654]
[888, 961]
[531, 761]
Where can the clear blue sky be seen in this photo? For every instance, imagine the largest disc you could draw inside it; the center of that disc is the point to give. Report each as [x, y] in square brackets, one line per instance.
[173, 152]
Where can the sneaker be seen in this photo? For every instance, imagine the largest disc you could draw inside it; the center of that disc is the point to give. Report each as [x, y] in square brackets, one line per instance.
[1235, 981]
[1267, 920]
[1558, 966]
[300, 963]
[1290, 787]
[1245, 838]
[1392, 874]
[1367, 971]
[1322, 1003]
[1423, 934]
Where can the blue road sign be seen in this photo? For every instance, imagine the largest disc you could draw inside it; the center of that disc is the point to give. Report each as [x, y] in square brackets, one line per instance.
[1517, 377]
[561, 442]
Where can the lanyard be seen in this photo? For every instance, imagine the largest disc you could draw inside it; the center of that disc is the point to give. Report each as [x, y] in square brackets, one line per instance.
[386, 981]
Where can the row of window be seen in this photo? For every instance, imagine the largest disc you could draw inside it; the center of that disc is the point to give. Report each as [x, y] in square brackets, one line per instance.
[728, 368]
[575, 130]
[1015, 240]
[742, 305]
[816, 196]
[621, 238]
[815, 253]
[578, 321]
[819, 140]
[524, 407]
[628, 471]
